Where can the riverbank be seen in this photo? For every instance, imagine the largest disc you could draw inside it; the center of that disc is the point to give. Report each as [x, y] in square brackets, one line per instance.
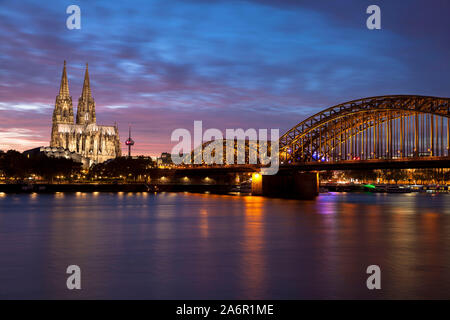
[204, 188]
[384, 188]
[122, 187]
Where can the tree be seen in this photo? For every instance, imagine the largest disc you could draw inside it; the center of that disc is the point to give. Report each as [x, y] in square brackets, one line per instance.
[393, 174]
[14, 164]
[128, 168]
[49, 168]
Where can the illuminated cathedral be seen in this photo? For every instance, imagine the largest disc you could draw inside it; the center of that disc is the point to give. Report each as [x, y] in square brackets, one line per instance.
[95, 142]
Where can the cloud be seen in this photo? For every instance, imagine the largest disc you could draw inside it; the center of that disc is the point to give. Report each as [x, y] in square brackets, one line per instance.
[37, 107]
[19, 138]
[116, 107]
[160, 65]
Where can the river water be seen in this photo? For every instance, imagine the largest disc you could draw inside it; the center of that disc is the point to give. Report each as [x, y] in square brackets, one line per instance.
[195, 246]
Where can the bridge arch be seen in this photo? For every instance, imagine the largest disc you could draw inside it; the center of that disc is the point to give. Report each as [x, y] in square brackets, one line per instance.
[383, 127]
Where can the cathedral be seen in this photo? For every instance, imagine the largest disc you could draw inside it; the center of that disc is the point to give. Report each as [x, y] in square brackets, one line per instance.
[84, 137]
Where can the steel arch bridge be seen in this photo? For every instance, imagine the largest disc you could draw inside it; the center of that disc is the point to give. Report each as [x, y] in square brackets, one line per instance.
[383, 127]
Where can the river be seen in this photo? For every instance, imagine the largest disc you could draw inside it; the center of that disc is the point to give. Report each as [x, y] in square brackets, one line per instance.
[203, 246]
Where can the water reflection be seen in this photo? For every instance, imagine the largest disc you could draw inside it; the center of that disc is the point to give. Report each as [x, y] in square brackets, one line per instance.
[253, 245]
[196, 246]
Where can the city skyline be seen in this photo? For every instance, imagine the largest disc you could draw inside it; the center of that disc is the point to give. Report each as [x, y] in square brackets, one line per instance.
[221, 157]
[161, 66]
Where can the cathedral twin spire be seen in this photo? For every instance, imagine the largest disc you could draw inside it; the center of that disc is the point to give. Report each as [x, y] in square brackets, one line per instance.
[63, 112]
[64, 88]
[86, 104]
[86, 93]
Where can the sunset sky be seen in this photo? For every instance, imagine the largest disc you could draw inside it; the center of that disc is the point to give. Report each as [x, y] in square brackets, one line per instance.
[160, 65]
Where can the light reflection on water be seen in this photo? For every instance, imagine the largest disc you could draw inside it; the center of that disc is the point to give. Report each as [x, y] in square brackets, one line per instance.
[193, 246]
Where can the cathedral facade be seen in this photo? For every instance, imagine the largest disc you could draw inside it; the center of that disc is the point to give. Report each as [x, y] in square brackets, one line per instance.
[95, 142]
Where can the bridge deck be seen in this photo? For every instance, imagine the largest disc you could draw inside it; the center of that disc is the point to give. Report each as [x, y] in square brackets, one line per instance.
[404, 163]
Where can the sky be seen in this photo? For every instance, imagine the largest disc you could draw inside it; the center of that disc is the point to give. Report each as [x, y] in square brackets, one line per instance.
[160, 65]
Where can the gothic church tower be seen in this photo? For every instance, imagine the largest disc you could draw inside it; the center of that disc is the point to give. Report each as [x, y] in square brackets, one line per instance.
[63, 112]
[86, 103]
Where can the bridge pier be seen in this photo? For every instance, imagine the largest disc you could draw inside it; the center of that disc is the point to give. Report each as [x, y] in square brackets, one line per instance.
[286, 184]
